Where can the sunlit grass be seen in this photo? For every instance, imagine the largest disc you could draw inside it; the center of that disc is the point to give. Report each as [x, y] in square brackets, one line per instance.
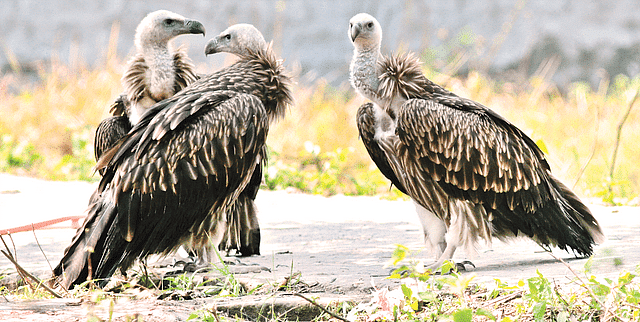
[47, 129]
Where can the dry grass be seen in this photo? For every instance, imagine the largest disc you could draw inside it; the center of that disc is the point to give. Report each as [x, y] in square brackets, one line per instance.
[578, 128]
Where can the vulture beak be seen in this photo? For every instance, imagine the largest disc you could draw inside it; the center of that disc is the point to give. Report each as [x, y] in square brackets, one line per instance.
[211, 47]
[194, 27]
[354, 32]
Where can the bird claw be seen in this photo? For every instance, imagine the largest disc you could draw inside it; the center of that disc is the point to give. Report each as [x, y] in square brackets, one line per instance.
[461, 268]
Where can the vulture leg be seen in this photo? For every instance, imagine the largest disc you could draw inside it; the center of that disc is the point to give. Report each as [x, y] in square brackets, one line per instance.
[439, 239]
[434, 230]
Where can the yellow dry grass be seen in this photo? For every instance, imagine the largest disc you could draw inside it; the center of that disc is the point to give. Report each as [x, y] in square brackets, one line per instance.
[577, 128]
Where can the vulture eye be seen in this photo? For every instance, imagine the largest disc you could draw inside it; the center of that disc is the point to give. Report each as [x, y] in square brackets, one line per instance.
[370, 25]
[227, 37]
[169, 22]
[350, 25]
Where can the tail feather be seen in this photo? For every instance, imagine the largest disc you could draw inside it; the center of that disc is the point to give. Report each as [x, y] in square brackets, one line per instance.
[580, 212]
[573, 225]
[86, 247]
[243, 232]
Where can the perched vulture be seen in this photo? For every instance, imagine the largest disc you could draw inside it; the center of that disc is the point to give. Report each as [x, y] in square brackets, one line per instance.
[470, 172]
[173, 176]
[155, 72]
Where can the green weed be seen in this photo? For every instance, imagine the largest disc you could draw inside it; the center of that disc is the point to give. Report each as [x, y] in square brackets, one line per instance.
[451, 296]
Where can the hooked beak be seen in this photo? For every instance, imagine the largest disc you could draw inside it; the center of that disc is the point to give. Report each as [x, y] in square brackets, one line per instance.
[354, 32]
[194, 27]
[211, 47]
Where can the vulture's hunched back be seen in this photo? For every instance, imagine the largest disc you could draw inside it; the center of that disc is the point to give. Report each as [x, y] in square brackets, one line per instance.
[177, 171]
[471, 173]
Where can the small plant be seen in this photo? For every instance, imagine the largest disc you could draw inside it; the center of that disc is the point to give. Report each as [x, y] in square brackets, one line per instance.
[18, 155]
[451, 296]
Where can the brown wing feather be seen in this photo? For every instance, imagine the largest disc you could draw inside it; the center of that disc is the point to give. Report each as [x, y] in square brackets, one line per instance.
[365, 119]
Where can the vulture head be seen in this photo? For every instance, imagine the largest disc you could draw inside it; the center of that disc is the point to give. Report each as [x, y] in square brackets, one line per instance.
[365, 31]
[240, 39]
[159, 27]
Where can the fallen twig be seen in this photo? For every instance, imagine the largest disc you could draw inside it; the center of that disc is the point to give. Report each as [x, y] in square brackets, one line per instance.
[618, 134]
[45, 256]
[319, 306]
[503, 299]
[12, 259]
[29, 275]
[38, 243]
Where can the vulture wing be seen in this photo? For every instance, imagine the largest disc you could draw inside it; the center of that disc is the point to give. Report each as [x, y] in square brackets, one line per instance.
[385, 161]
[475, 155]
[109, 131]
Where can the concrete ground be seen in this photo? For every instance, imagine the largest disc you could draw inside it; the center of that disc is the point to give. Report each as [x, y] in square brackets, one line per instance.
[340, 243]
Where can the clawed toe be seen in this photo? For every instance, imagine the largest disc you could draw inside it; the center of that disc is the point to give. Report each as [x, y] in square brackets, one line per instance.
[461, 268]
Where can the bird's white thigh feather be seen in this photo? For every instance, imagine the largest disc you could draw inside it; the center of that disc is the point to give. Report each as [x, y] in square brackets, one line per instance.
[434, 230]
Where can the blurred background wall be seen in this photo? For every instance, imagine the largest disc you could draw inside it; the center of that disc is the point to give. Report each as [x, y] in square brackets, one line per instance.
[569, 39]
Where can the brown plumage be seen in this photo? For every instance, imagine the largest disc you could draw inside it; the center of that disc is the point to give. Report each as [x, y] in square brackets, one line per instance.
[174, 175]
[471, 173]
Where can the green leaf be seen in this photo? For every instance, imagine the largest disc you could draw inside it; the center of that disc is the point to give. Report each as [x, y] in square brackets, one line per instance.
[427, 296]
[415, 304]
[485, 313]
[588, 265]
[447, 267]
[400, 253]
[406, 291]
[539, 309]
[463, 315]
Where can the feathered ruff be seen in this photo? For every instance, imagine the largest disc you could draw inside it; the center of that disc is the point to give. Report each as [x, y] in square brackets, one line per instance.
[402, 76]
[136, 82]
[278, 83]
[119, 106]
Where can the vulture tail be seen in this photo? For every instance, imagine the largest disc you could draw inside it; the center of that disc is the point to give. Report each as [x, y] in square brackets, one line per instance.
[573, 224]
[243, 232]
[82, 257]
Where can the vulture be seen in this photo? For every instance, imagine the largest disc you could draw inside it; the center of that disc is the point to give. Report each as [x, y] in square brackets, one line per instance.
[155, 72]
[470, 172]
[174, 175]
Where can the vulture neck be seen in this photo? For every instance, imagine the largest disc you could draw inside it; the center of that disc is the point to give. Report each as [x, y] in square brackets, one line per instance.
[159, 78]
[365, 71]
[161, 74]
